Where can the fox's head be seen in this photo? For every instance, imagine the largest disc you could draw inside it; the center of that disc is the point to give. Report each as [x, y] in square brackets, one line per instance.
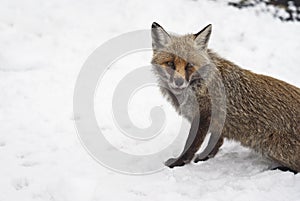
[177, 59]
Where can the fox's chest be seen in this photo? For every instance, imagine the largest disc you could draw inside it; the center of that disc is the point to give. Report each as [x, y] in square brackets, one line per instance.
[186, 104]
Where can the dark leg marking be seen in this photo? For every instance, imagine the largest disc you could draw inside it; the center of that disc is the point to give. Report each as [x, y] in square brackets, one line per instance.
[198, 131]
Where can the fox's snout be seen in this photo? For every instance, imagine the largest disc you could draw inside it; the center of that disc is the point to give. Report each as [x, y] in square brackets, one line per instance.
[178, 81]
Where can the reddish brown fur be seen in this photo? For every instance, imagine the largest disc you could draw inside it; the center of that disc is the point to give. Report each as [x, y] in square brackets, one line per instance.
[263, 113]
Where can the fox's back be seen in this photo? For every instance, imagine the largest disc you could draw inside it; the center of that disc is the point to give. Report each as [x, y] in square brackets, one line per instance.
[262, 112]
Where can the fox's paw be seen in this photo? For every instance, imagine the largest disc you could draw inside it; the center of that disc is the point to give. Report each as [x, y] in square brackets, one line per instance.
[285, 169]
[173, 162]
[199, 158]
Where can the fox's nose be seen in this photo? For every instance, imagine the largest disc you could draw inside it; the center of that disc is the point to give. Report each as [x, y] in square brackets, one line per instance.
[178, 81]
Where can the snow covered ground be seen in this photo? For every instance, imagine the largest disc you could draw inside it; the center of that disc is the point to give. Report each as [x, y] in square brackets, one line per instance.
[43, 46]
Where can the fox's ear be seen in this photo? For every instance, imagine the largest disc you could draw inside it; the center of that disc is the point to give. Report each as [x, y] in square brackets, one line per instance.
[160, 38]
[202, 37]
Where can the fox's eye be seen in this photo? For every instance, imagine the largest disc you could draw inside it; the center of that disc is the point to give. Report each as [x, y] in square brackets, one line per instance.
[189, 65]
[171, 64]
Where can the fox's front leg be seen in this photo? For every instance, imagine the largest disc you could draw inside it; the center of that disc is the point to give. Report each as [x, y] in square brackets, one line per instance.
[199, 157]
[198, 131]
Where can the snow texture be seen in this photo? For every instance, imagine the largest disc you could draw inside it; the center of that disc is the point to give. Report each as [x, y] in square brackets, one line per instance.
[285, 10]
[45, 43]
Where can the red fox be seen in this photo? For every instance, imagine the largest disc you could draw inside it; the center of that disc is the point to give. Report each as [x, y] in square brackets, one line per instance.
[262, 113]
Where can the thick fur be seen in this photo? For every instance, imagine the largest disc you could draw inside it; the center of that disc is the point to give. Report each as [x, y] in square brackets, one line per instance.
[262, 113]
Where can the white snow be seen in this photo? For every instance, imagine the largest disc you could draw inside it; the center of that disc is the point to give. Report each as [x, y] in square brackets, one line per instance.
[43, 46]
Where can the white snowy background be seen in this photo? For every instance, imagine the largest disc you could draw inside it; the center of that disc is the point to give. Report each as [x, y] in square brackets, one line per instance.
[43, 46]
